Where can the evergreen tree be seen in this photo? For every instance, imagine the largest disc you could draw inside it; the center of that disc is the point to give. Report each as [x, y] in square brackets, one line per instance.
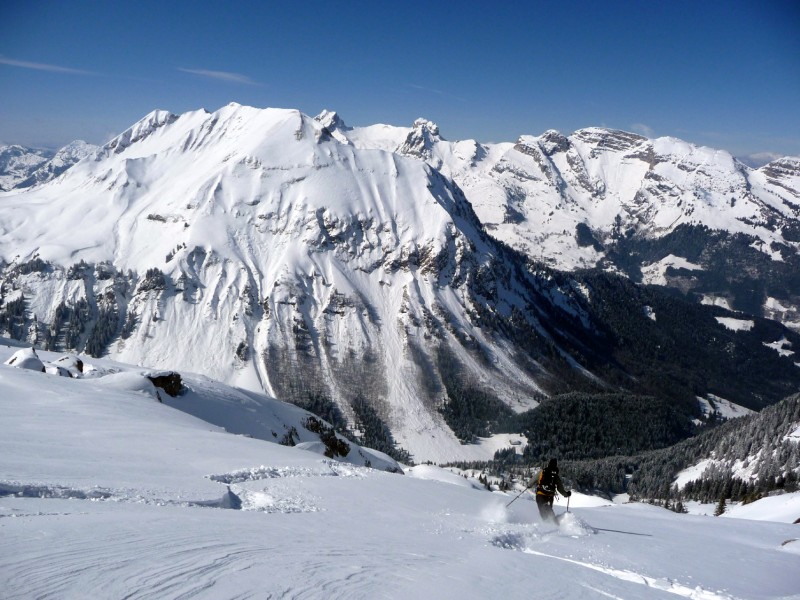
[721, 506]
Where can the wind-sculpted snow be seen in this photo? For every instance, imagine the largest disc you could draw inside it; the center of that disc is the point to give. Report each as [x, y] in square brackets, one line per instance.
[333, 469]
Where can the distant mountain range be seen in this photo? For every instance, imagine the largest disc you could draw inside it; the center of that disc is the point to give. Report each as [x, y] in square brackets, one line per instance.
[444, 285]
[22, 167]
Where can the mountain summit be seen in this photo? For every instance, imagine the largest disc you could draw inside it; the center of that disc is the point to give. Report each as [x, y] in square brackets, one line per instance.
[249, 245]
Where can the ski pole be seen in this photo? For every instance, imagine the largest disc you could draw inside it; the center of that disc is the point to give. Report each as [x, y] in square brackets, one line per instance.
[568, 497]
[517, 496]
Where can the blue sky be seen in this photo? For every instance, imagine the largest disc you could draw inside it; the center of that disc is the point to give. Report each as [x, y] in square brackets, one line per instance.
[723, 74]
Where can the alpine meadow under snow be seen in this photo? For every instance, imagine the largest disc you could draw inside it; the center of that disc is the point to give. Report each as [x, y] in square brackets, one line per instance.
[108, 492]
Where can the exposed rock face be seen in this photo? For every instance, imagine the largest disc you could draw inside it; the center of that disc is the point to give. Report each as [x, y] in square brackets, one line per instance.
[421, 139]
[169, 382]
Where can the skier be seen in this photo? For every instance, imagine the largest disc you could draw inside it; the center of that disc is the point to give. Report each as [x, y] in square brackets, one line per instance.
[549, 482]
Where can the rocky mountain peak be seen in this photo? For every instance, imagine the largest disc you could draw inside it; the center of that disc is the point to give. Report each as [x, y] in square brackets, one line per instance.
[610, 139]
[553, 141]
[331, 120]
[421, 139]
[140, 130]
[788, 166]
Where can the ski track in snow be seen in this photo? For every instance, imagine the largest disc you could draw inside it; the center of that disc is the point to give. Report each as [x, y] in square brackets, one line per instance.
[170, 552]
[696, 593]
[575, 527]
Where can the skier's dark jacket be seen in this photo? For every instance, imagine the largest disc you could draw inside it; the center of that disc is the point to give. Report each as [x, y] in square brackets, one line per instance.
[549, 482]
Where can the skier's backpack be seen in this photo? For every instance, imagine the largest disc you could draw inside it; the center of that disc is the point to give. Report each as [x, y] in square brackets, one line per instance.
[547, 482]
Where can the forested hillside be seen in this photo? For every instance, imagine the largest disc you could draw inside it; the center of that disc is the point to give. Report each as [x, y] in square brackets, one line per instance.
[673, 347]
[747, 456]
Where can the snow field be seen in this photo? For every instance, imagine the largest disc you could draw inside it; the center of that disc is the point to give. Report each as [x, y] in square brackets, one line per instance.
[104, 491]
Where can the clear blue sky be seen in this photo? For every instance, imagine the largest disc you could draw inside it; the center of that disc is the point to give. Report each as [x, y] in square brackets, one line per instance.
[724, 74]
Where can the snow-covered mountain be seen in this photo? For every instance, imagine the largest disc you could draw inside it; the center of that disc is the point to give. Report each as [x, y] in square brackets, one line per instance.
[618, 200]
[252, 246]
[62, 160]
[105, 492]
[300, 257]
[761, 451]
[17, 163]
[25, 167]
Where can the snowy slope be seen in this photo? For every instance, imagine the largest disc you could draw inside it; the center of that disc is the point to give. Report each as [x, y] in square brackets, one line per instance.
[252, 245]
[107, 493]
[228, 409]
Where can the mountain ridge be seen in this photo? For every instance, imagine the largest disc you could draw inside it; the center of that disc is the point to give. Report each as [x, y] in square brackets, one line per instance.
[591, 199]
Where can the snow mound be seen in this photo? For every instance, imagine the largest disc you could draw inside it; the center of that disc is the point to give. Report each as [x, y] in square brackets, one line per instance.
[783, 508]
[129, 382]
[71, 363]
[26, 359]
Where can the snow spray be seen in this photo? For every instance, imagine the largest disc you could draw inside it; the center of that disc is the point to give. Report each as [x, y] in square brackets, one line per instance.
[572, 525]
[494, 513]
